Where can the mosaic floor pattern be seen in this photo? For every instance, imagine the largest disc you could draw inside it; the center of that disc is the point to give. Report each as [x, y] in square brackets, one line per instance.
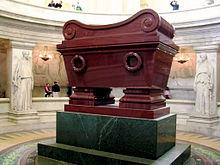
[20, 148]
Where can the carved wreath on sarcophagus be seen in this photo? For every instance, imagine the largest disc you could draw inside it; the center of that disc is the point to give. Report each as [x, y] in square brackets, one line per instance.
[78, 63]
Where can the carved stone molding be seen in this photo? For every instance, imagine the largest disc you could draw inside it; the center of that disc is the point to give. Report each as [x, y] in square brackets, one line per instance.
[22, 45]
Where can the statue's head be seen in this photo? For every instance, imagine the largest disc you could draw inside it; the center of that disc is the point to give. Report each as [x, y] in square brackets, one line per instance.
[25, 55]
[203, 57]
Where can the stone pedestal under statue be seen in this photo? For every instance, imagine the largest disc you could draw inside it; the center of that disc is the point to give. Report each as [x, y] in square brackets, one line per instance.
[135, 54]
[21, 111]
[204, 118]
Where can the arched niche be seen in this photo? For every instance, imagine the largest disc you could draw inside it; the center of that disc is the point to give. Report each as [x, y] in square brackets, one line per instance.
[182, 74]
[4, 68]
[48, 71]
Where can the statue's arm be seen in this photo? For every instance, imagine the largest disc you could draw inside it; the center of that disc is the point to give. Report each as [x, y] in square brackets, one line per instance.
[194, 84]
[32, 80]
[17, 77]
[211, 79]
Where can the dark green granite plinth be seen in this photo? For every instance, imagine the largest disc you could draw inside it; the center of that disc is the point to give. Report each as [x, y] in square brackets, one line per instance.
[82, 156]
[146, 138]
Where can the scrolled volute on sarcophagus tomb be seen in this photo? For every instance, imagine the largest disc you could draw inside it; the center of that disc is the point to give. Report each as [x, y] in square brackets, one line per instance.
[69, 32]
[135, 54]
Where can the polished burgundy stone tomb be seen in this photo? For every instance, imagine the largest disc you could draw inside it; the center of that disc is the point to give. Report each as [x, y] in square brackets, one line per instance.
[135, 54]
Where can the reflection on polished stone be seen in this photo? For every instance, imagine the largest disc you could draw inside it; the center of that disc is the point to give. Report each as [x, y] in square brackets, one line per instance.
[144, 138]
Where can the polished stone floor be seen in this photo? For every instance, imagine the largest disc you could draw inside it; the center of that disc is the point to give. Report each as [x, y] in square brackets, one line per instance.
[20, 147]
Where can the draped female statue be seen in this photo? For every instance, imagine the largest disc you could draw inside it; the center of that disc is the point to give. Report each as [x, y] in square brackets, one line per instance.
[23, 83]
[203, 85]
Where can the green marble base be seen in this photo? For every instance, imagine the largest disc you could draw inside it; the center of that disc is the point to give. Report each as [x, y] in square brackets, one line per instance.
[82, 156]
[144, 138]
[41, 160]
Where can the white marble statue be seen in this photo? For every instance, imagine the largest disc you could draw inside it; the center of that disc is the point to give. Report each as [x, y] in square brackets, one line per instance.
[203, 85]
[23, 83]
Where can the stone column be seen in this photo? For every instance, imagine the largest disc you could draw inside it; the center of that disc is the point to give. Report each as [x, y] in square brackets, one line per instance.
[204, 117]
[21, 78]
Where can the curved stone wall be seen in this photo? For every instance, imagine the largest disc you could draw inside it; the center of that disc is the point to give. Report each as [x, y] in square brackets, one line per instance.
[45, 24]
[26, 22]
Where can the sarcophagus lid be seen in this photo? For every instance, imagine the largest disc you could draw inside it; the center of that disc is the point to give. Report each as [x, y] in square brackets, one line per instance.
[137, 52]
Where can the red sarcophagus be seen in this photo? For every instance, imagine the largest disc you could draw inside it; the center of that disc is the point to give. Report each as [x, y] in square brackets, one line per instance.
[135, 54]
